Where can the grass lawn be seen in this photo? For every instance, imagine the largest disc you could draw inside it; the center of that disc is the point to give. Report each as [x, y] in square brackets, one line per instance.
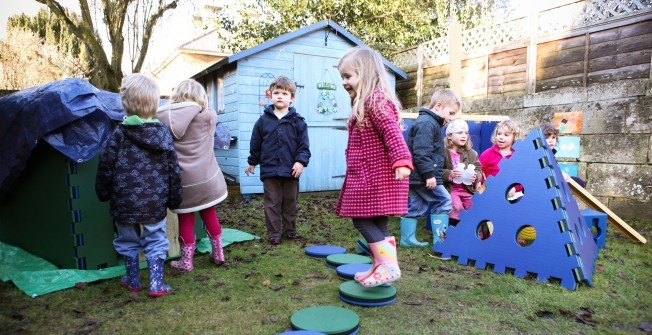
[434, 296]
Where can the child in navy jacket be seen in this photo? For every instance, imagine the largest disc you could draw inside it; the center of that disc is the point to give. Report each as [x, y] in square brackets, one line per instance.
[139, 173]
[280, 145]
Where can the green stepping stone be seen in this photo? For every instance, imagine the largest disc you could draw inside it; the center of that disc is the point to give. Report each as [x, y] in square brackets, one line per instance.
[326, 319]
[354, 293]
[333, 261]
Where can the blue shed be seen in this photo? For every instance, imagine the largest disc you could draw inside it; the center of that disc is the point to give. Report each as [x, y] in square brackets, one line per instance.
[236, 87]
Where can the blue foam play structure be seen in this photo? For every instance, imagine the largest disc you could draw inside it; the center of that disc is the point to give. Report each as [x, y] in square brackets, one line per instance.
[563, 247]
[598, 220]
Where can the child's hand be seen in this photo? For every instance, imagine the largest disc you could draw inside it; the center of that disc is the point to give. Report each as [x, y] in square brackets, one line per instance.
[431, 183]
[297, 169]
[249, 169]
[474, 178]
[401, 172]
[456, 174]
[511, 192]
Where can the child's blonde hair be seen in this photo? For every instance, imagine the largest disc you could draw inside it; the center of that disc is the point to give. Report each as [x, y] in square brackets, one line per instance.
[283, 83]
[139, 95]
[456, 126]
[446, 97]
[190, 90]
[369, 66]
[511, 125]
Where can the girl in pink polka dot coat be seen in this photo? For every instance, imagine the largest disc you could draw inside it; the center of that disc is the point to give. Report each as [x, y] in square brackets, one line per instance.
[378, 162]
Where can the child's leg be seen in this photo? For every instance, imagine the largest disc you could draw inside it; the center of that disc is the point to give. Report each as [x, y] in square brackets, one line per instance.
[441, 203]
[370, 230]
[273, 198]
[186, 228]
[214, 230]
[127, 244]
[155, 245]
[456, 203]
[186, 242]
[290, 207]
[211, 221]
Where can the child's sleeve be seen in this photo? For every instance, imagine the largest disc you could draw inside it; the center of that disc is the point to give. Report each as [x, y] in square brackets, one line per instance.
[104, 176]
[384, 119]
[448, 167]
[473, 159]
[256, 143]
[303, 147]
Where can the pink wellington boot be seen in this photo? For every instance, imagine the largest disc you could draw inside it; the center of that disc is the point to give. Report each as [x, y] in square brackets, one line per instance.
[385, 269]
[217, 255]
[187, 254]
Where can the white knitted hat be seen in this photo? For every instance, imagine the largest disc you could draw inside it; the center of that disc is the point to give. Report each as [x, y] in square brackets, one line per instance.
[456, 126]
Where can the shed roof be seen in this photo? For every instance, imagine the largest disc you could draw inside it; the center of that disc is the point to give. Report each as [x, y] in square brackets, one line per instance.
[292, 35]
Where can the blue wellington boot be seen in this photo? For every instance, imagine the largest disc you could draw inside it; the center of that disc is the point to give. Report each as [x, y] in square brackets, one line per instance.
[439, 226]
[156, 286]
[131, 278]
[408, 233]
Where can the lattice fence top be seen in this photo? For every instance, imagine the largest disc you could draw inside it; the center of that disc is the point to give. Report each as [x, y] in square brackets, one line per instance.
[557, 19]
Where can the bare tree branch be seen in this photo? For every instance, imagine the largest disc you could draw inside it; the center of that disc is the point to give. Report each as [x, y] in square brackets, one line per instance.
[147, 32]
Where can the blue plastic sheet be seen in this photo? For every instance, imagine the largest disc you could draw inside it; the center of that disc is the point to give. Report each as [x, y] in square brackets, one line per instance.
[71, 115]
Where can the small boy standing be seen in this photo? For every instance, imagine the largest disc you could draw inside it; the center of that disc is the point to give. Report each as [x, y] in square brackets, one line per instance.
[427, 147]
[279, 143]
[139, 173]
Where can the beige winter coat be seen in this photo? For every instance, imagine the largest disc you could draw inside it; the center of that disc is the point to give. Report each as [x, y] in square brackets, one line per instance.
[201, 177]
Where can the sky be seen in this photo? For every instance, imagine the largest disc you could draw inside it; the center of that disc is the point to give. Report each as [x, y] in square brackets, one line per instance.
[172, 32]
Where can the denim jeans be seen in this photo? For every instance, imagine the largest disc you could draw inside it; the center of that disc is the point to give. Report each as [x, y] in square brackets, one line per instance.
[421, 198]
[152, 240]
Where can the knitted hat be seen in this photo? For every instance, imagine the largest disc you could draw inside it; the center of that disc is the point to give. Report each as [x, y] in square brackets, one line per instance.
[456, 126]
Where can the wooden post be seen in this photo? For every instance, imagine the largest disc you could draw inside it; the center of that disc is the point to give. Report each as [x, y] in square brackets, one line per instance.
[455, 51]
[585, 78]
[419, 75]
[532, 53]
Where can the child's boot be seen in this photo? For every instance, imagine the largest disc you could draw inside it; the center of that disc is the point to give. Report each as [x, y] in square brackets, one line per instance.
[385, 269]
[439, 226]
[156, 286]
[217, 254]
[408, 233]
[187, 254]
[131, 279]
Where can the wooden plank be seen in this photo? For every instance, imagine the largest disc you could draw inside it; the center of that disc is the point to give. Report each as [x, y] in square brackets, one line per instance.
[501, 71]
[560, 71]
[621, 60]
[508, 79]
[561, 57]
[631, 30]
[440, 70]
[575, 80]
[620, 46]
[628, 72]
[509, 89]
[612, 218]
[558, 45]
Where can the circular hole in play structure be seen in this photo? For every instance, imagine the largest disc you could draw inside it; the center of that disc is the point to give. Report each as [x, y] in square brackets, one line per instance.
[514, 193]
[595, 231]
[525, 236]
[485, 229]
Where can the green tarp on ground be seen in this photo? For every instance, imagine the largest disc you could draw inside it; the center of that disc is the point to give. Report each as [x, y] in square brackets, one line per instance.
[36, 276]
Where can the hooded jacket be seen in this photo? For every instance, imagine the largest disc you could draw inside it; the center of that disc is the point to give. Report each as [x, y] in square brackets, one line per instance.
[426, 144]
[277, 144]
[193, 129]
[138, 172]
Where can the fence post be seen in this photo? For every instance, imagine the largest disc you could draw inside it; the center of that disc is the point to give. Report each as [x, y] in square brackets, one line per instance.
[419, 75]
[455, 52]
[532, 52]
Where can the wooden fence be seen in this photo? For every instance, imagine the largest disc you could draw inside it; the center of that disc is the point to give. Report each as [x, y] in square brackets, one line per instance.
[563, 44]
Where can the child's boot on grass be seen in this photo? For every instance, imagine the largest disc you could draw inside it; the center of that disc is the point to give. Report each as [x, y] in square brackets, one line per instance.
[408, 233]
[217, 254]
[156, 286]
[131, 278]
[385, 269]
[187, 253]
[439, 226]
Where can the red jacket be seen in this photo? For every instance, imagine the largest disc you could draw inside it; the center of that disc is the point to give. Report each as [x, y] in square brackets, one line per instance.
[374, 149]
[490, 159]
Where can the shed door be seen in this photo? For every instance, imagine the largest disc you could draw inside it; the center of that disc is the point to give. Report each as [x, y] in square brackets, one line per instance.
[326, 106]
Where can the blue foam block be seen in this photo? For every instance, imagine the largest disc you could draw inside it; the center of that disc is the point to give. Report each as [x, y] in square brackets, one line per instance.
[563, 249]
[348, 271]
[598, 220]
